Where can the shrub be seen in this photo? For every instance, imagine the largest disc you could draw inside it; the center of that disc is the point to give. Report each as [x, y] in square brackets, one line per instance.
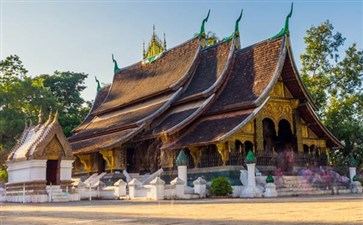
[220, 187]
[3, 175]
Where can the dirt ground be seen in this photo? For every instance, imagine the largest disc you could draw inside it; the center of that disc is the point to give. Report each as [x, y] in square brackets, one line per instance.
[341, 209]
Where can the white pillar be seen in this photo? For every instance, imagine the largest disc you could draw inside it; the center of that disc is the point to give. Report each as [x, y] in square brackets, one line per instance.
[200, 187]
[182, 173]
[132, 187]
[179, 187]
[157, 188]
[352, 173]
[251, 190]
[120, 189]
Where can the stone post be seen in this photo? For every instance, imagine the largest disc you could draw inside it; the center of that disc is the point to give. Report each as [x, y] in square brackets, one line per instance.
[352, 167]
[120, 189]
[179, 187]
[356, 185]
[157, 189]
[270, 187]
[181, 162]
[251, 190]
[134, 183]
[200, 187]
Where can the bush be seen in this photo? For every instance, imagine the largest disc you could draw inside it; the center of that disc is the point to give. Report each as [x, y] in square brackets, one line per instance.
[3, 175]
[220, 187]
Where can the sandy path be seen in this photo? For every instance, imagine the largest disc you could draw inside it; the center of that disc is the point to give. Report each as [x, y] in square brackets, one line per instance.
[344, 209]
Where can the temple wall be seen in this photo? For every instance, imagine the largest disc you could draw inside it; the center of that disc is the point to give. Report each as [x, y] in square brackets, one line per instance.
[27, 171]
[66, 170]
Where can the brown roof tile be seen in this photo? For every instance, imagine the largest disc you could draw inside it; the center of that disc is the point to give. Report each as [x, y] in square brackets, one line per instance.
[122, 118]
[252, 71]
[102, 142]
[212, 62]
[142, 80]
[210, 129]
[100, 97]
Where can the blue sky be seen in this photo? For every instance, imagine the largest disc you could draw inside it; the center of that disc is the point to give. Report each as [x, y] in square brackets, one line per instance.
[80, 36]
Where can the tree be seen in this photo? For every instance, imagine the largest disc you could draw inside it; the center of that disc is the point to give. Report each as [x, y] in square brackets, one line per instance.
[21, 98]
[335, 83]
[66, 87]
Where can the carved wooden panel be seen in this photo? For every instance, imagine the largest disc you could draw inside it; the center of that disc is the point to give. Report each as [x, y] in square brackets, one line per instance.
[54, 149]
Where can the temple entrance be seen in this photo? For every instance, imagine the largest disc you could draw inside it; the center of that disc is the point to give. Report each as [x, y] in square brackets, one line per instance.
[52, 172]
[132, 166]
[286, 146]
[269, 135]
[101, 167]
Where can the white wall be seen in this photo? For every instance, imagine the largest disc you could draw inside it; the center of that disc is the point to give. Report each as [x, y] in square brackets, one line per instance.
[66, 169]
[27, 171]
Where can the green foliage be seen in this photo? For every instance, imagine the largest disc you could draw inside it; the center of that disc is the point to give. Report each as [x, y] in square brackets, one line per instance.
[66, 88]
[335, 83]
[3, 175]
[21, 97]
[220, 187]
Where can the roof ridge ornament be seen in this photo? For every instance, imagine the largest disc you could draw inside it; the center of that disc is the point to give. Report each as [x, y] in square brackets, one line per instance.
[202, 28]
[98, 84]
[236, 26]
[285, 29]
[116, 68]
[236, 30]
[202, 35]
[235, 34]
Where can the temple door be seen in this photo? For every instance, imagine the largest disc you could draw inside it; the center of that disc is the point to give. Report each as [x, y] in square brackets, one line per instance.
[52, 172]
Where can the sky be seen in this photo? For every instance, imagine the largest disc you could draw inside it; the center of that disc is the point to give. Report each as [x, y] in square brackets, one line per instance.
[81, 36]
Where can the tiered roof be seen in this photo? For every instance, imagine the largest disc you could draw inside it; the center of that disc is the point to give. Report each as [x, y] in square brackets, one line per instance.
[194, 95]
[35, 138]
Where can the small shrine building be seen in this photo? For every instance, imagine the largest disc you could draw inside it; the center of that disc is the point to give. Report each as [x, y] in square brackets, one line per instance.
[41, 158]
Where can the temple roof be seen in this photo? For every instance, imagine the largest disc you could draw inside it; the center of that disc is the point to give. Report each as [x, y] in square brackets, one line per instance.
[141, 81]
[100, 97]
[196, 96]
[210, 73]
[211, 129]
[35, 139]
[255, 70]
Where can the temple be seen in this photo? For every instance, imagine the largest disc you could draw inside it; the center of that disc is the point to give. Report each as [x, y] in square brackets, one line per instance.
[214, 101]
[41, 162]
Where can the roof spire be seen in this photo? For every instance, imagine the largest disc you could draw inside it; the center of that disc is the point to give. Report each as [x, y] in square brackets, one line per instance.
[202, 28]
[285, 30]
[116, 69]
[236, 30]
[55, 116]
[98, 84]
[40, 120]
[236, 26]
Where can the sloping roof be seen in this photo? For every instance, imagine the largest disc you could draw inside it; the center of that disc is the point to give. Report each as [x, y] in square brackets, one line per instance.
[196, 96]
[100, 97]
[254, 72]
[209, 75]
[104, 141]
[212, 129]
[308, 114]
[34, 139]
[144, 80]
[138, 95]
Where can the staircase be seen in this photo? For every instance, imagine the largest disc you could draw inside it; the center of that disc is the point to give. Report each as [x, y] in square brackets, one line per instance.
[57, 194]
[298, 185]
